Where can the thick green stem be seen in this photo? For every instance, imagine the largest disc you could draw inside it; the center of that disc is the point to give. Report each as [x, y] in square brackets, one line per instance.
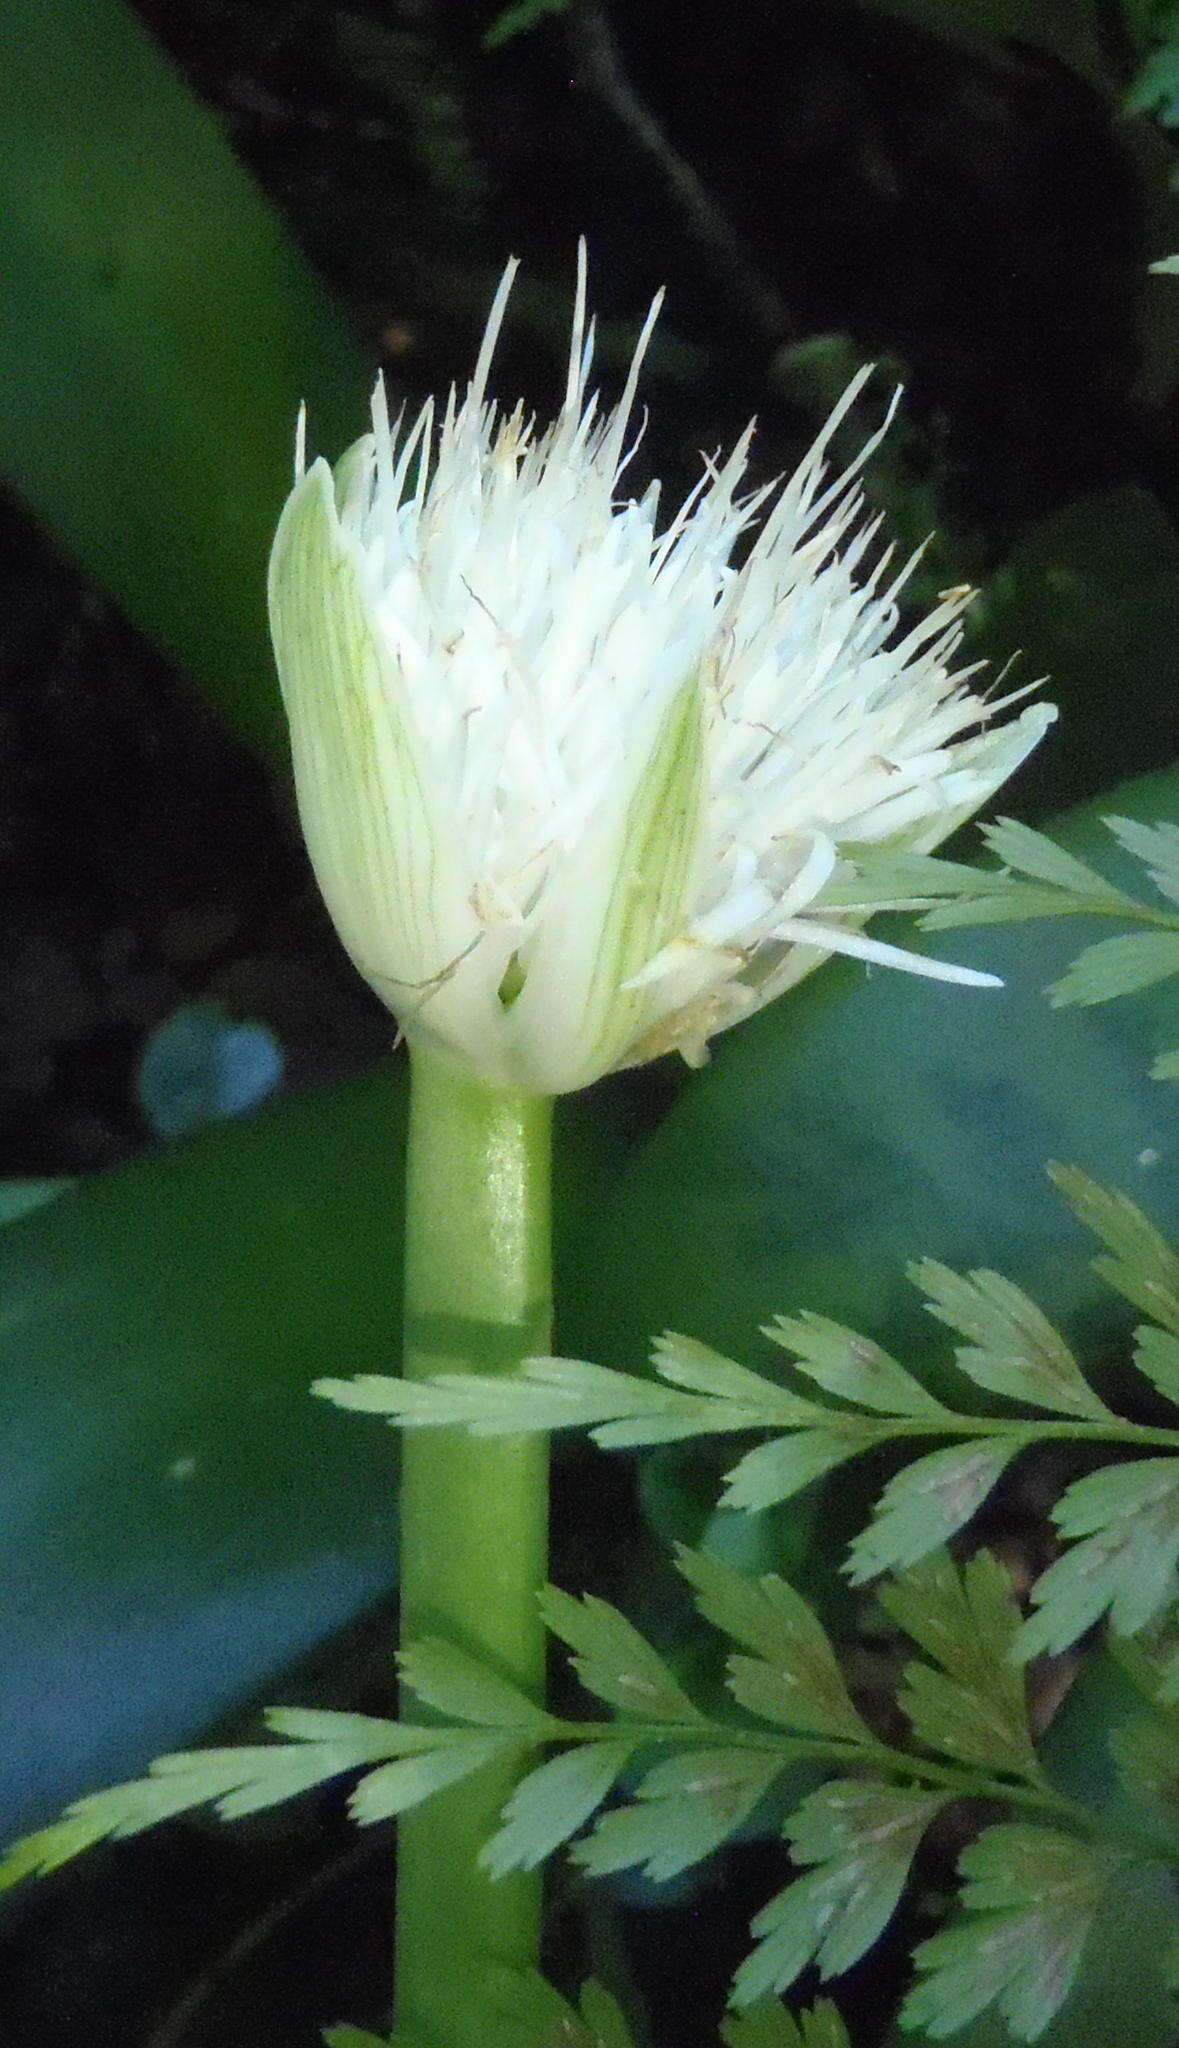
[474, 1515]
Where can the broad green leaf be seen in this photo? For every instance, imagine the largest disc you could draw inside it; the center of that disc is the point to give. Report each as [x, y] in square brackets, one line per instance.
[552, 1802]
[613, 1660]
[973, 1707]
[1029, 1901]
[161, 1327]
[684, 1809]
[158, 330]
[1128, 1516]
[862, 1836]
[927, 1503]
[794, 1679]
[1013, 1348]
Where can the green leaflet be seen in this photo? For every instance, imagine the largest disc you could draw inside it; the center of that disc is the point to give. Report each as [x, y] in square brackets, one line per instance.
[851, 1367]
[1035, 1894]
[794, 1678]
[1157, 846]
[1117, 967]
[1129, 1516]
[862, 1837]
[769, 2025]
[926, 1504]
[1040, 857]
[1013, 1348]
[614, 1661]
[968, 1701]
[455, 1684]
[396, 1787]
[684, 1809]
[1138, 1261]
[552, 1802]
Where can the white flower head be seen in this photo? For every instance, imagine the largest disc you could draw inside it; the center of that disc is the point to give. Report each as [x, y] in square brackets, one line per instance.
[571, 783]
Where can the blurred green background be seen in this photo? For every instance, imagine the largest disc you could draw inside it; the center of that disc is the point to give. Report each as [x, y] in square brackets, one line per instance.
[209, 210]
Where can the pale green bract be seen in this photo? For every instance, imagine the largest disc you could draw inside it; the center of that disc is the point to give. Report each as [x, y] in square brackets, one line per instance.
[573, 786]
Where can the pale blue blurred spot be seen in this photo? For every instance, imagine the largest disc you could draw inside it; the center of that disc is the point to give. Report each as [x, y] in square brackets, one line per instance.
[200, 1066]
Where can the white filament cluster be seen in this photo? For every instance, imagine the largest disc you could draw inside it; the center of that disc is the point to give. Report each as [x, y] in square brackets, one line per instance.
[526, 634]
